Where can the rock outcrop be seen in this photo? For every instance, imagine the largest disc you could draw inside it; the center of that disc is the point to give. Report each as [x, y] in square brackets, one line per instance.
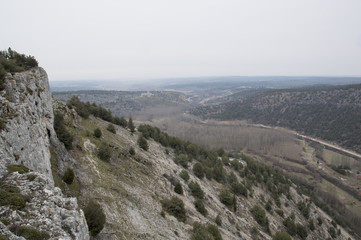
[27, 134]
[26, 110]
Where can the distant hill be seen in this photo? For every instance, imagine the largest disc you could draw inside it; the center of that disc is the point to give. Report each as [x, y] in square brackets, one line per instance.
[331, 113]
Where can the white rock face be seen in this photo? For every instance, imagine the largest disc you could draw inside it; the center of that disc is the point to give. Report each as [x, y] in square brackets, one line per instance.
[47, 209]
[26, 106]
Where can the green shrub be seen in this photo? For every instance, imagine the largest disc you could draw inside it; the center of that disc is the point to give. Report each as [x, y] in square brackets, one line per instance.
[226, 198]
[301, 231]
[10, 195]
[205, 232]
[120, 122]
[281, 236]
[184, 174]
[196, 190]
[332, 232]
[290, 225]
[131, 125]
[178, 188]
[311, 225]
[304, 208]
[182, 159]
[200, 207]
[142, 142]
[239, 189]
[69, 175]
[104, 152]
[111, 128]
[31, 177]
[175, 207]
[280, 212]
[259, 215]
[17, 168]
[2, 237]
[62, 133]
[97, 133]
[31, 233]
[198, 170]
[95, 217]
[132, 151]
[218, 220]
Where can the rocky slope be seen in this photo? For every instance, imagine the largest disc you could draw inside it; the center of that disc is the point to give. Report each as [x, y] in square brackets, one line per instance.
[27, 134]
[130, 190]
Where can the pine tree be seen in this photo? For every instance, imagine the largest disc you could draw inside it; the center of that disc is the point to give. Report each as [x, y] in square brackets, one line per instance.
[131, 125]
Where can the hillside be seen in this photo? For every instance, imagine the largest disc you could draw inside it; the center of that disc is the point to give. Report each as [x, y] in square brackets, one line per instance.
[62, 164]
[330, 113]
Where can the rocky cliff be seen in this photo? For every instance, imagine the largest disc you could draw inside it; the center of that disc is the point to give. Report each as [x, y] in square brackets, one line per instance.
[29, 201]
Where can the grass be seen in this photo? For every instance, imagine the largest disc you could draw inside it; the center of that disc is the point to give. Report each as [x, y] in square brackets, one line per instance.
[17, 168]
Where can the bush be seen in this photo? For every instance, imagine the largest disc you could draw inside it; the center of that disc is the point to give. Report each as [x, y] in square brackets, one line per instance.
[142, 142]
[97, 133]
[196, 190]
[182, 159]
[62, 133]
[260, 215]
[301, 231]
[184, 174]
[17, 168]
[200, 207]
[290, 225]
[218, 220]
[311, 225]
[95, 217]
[69, 175]
[2, 237]
[198, 170]
[131, 125]
[111, 128]
[120, 122]
[30, 233]
[10, 195]
[226, 198]
[131, 151]
[104, 152]
[178, 188]
[175, 207]
[202, 232]
[281, 236]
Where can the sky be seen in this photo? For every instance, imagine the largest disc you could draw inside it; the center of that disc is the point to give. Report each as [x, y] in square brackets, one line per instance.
[147, 39]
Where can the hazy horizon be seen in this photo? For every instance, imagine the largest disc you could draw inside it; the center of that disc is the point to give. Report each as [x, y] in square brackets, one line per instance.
[159, 39]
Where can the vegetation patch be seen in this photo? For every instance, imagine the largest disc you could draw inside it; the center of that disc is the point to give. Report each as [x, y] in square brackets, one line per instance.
[10, 195]
[175, 207]
[259, 215]
[68, 176]
[17, 168]
[61, 132]
[95, 217]
[205, 232]
[30, 233]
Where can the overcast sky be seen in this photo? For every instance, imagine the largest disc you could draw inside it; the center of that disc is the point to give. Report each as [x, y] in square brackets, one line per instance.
[116, 39]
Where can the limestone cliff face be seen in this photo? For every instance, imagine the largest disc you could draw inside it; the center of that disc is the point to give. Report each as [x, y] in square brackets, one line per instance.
[26, 107]
[26, 135]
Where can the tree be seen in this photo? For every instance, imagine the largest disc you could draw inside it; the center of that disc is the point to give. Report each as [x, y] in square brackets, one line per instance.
[61, 132]
[200, 207]
[175, 207]
[218, 220]
[226, 198]
[95, 217]
[97, 133]
[131, 151]
[142, 142]
[196, 190]
[131, 125]
[259, 215]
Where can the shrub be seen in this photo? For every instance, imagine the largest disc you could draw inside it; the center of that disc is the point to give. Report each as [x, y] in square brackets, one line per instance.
[62, 133]
[200, 207]
[2, 237]
[131, 151]
[182, 159]
[290, 225]
[202, 232]
[239, 189]
[311, 225]
[31, 177]
[111, 128]
[120, 122]
[301, 231]
[142, 142]
[214, 231]
[31, 233]
[184, 174]
[175, 207]
[304, 208]
[95, 217]
[104, 152]
[226, 198]
[10, 195]
[218, 220]
[198, 170]
[17, 168]
[68, 176]
[280, 212]
[97, 133]
[178, 188]
[332, 232]
[259, 215]
[196, 190]
[281, 236]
